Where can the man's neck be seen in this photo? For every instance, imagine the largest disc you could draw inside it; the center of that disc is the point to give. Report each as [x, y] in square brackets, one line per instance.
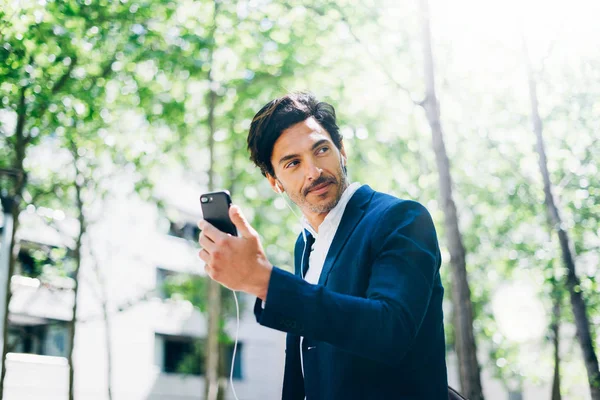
[315, 220]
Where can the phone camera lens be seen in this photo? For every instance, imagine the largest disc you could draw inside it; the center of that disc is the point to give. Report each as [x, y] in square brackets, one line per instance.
[204, 200]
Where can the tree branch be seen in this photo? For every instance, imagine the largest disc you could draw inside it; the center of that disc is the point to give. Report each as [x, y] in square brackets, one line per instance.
[107, 68]
[147, 295]
[377, 61]
[101, 294]
[546, 56]
[373, 57]
[20, 129]
[65, 237]
[584, 163]
[58, 85]
[63, 79]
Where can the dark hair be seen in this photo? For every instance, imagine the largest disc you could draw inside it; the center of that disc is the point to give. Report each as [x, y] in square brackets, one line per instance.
[278, 115]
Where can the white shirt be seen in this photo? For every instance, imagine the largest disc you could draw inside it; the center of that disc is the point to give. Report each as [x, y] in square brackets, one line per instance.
[323, 241]
[327, 231]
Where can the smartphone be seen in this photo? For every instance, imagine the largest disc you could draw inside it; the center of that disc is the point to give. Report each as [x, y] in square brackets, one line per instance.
[215, 209]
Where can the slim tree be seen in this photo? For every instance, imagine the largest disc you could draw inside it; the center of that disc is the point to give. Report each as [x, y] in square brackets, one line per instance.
[578, 305]
[78, 183]
[20, 141]
[461, 295]
[40, 60]
[555, 332]
[469, 370]
[214, 288]
[106, 318]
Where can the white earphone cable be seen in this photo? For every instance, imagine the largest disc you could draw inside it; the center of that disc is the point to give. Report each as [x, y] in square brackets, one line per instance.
[301, 264]
[237, 306]
[237, 331]
[299, 219]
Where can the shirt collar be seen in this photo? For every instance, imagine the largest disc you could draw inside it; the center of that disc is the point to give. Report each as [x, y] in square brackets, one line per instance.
[335, 214]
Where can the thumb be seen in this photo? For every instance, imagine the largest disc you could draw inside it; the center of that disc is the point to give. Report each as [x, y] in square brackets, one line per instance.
[241, 223]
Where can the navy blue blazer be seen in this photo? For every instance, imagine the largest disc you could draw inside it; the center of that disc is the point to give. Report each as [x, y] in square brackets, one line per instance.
[373, 325]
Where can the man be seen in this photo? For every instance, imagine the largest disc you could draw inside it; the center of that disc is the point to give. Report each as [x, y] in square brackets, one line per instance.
[363, 311]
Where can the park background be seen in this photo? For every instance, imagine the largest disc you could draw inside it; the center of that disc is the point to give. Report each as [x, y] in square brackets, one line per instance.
[116, 115]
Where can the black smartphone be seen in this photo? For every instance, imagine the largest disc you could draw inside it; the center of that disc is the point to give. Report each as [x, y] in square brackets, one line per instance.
[215, 209]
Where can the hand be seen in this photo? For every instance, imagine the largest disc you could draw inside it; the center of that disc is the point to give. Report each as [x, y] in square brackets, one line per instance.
[238, 263]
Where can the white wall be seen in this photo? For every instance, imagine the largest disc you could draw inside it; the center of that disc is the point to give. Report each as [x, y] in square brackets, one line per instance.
[129, 248]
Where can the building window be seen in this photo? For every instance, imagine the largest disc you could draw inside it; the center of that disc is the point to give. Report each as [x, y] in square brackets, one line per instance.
[180, 285]
[29, 266]
[180, 354]
[175, 352]
[29, 339]
[162, 276]
[47, 339]
[34, 259]
[185, 355]
[237, 366]
[185, 230]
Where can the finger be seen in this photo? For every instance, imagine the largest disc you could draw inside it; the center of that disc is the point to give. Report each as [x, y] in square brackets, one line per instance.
[204, 256]
[206, 243]
[211, 232]
[210, 271]
[240, 222]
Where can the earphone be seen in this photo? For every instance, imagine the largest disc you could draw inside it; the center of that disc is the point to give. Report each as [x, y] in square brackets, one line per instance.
[280, 191]
[237, 333]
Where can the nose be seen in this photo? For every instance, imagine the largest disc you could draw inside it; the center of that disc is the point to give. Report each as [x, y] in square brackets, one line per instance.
[314, 172]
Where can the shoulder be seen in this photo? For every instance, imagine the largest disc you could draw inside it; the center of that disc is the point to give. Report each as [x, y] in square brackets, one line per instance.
[398, 223]
[389, 218]
[390, 209]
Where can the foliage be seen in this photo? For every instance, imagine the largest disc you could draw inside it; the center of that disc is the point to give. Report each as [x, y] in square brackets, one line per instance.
[102, 89]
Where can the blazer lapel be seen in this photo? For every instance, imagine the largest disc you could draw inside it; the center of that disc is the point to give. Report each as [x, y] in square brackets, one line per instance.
[302, 253]
[352, 215]
[310, 240]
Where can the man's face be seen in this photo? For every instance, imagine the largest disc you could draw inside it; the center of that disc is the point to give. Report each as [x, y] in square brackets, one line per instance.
[308, 165]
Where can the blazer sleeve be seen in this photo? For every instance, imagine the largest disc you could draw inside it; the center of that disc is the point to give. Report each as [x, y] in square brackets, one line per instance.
[382, 325]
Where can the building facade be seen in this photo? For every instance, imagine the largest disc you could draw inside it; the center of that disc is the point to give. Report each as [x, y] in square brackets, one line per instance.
[135, 250]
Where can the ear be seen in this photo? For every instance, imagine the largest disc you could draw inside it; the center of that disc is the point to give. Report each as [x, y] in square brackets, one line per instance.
[274, 183]
[343, 154]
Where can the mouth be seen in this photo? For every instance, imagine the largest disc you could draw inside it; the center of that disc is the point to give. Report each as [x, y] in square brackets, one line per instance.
[320, 189]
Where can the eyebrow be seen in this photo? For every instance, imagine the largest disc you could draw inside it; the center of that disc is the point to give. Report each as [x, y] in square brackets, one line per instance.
[291, 156]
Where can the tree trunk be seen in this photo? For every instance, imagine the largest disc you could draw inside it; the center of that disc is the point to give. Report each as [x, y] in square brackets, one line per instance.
[466, 348]
[555, 326]
[21, 143]
[107, 329]
[107, 326]
[214, 288]
[212, 343]
[78, 246]
[235, 147]
[578, 305]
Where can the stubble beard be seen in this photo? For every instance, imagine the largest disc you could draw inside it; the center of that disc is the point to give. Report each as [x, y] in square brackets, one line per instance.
[302, 201]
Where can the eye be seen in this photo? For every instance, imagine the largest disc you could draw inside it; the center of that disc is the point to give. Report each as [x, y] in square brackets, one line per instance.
[291, 164]
[323, 149]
